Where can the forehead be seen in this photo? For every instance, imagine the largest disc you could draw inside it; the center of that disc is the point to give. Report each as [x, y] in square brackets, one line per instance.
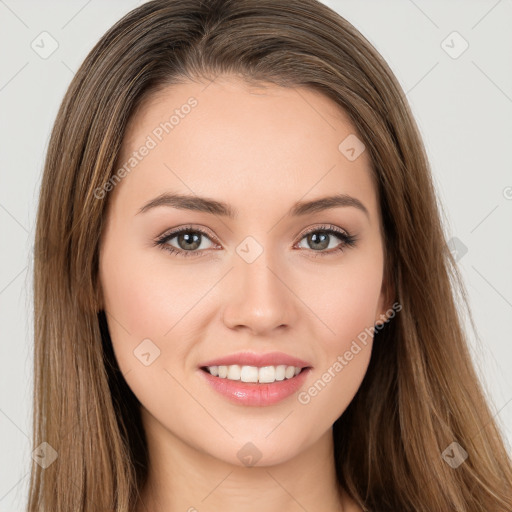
[229, 139]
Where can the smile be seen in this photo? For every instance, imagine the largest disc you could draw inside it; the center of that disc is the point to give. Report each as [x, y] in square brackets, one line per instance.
[268, 389]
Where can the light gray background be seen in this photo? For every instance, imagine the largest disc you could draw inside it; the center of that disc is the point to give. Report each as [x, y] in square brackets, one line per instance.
[463, 106]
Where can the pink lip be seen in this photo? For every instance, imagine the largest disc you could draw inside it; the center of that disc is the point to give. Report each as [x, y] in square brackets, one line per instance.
[255, 394]
[253, 359]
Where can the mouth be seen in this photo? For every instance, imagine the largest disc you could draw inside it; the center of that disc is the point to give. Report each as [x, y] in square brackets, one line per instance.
[255, 386]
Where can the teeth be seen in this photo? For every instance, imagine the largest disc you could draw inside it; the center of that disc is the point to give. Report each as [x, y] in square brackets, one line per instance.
[281, 372]
[234, 372]
[249, 374]
[264, 374]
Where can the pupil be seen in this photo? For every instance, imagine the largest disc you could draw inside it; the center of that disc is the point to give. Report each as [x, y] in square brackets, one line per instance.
[189, 239]
[313, 237]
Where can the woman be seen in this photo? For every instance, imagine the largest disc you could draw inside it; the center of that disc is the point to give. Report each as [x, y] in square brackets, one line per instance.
[305, 351]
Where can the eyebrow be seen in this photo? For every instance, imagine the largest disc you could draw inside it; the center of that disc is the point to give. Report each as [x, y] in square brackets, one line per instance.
[208, 205]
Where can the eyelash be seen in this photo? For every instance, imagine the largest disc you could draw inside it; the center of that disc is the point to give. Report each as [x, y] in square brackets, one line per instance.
[347, 240]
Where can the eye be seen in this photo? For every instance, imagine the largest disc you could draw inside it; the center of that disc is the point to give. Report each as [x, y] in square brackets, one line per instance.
[189, 241]
[319, 238]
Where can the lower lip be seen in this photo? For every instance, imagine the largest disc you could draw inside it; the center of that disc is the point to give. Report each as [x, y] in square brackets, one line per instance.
[254, 394]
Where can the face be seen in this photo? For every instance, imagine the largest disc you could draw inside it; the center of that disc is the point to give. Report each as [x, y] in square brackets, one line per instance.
[270, 278]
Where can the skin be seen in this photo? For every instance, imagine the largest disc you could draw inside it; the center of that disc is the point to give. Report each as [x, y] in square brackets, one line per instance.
[260, 150]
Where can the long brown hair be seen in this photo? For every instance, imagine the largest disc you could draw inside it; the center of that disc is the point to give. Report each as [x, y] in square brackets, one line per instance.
[421, 393]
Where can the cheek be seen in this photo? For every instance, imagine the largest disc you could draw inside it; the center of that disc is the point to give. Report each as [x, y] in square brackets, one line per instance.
[146, 304]
[345, 300]
[347, 306]
[137, 301]
[345, 345]
[147, 296]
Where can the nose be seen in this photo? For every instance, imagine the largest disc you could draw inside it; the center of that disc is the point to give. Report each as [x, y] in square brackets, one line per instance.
[260, 297]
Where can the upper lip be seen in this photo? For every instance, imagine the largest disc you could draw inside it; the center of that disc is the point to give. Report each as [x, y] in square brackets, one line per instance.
[255, 359]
